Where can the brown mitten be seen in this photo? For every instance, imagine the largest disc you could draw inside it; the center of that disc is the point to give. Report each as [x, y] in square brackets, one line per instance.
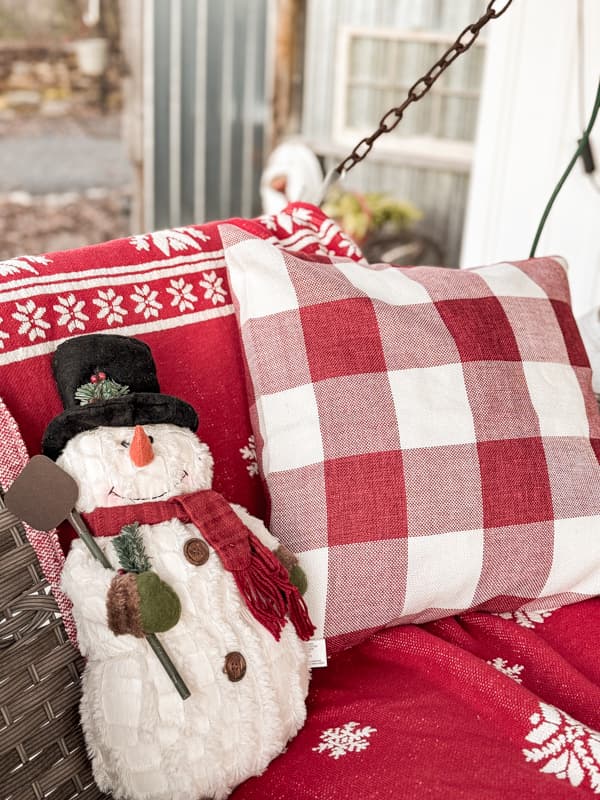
[141, 603]
[290, 562]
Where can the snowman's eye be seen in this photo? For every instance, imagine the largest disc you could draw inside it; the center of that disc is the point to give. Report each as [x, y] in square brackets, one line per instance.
[125, 443]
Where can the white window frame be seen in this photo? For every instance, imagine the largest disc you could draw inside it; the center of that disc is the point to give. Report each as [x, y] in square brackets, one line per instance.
[420, 151]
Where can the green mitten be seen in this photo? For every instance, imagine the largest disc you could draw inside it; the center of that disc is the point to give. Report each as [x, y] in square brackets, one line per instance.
[141, 604]
[298, 578]
[160, 608]
[290, 562]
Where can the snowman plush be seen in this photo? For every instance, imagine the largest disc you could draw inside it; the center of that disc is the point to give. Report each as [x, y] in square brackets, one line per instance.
[203, 574]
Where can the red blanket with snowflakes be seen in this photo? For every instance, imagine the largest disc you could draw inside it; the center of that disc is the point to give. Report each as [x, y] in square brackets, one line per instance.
[477, 707]
[168, 288]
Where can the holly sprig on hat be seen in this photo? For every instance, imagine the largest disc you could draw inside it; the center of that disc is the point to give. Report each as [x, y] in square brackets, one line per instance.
[100, 387]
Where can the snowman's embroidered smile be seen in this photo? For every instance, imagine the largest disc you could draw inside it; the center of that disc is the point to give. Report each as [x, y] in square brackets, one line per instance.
[154, 497]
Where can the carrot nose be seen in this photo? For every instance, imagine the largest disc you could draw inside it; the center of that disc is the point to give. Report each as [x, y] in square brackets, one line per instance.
[140, 449]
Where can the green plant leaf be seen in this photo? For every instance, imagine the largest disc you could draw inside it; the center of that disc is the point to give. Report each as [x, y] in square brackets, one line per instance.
[106, 389]
[129, 546]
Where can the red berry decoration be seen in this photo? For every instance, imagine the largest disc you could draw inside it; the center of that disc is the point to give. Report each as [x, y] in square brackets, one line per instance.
[99, 388]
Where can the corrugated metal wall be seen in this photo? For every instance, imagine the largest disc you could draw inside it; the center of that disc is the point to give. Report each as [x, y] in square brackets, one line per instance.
[204, 79]
[441, 195]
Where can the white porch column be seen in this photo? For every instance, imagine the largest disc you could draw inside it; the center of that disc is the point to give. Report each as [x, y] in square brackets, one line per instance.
[528, 130]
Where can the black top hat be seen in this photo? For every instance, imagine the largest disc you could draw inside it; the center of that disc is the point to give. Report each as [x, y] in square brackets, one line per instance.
[110, 380]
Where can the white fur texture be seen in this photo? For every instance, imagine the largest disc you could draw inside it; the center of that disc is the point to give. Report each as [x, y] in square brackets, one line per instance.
[100, 463]
[146, 743]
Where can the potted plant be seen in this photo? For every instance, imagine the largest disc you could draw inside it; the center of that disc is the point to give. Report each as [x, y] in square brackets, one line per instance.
[383, 227]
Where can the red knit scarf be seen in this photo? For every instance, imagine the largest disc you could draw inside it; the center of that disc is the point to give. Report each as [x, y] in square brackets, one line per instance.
[261, 578]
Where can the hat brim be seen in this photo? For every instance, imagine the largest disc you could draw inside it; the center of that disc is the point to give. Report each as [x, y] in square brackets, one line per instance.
[139, 408]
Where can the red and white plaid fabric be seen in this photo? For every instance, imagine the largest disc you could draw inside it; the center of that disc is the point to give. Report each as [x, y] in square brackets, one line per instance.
[168, 288]
[429, 438]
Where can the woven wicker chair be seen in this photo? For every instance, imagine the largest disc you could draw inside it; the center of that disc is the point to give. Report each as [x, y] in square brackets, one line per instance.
[42, 751]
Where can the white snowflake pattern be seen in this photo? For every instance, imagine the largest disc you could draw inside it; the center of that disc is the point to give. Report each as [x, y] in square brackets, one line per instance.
[110, 305]
[183, 297]
[32, 320]
[269, 222]
[502, 666]
[347, 739]
[215, 290]
[249, 454]
[176, 239]
[70, 311]
[526, 619]
[346, 243]
[147, 304]
[302, 217]
[567, 749]
[15, 265]
[3, 336]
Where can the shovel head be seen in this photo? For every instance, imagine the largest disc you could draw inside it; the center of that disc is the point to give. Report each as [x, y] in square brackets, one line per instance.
[43, 495]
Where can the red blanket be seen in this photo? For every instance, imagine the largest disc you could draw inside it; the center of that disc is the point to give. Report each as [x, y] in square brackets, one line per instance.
[478, 707]
[169, 288]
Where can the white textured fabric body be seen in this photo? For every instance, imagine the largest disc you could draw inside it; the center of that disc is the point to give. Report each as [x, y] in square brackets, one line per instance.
[145, 741]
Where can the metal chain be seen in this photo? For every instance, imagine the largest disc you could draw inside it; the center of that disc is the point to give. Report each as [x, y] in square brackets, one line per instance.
[420, 88]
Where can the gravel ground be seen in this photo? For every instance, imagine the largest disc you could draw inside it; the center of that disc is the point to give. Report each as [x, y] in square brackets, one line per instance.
[64, 183]
[61, 164]
[41, 224]
[80, 121]
[41, 155]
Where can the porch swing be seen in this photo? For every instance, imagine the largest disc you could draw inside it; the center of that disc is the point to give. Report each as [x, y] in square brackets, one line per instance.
[42, 752]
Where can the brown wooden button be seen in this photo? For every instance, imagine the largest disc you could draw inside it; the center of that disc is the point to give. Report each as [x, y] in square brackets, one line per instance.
[196, 552]
[235, 666]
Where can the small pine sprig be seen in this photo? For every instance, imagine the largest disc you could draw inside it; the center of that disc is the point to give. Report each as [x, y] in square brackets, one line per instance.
[130, 549]
[100, 388]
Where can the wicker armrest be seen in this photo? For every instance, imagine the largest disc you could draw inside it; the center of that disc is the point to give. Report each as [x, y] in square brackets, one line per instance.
[42, 750]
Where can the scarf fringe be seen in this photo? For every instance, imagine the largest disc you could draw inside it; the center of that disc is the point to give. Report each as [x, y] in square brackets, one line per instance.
[265, 586]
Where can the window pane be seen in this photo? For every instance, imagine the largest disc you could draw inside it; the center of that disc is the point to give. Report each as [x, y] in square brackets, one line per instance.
[412, 59]
[418, 118]
[365, 105]
[383, 68]
[370, 58]
[458, 118]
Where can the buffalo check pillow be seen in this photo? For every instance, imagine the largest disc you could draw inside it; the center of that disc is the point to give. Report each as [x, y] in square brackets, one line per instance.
[429, 438]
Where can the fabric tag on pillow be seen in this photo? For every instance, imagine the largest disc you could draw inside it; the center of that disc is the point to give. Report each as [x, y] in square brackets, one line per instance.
[317, 653]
